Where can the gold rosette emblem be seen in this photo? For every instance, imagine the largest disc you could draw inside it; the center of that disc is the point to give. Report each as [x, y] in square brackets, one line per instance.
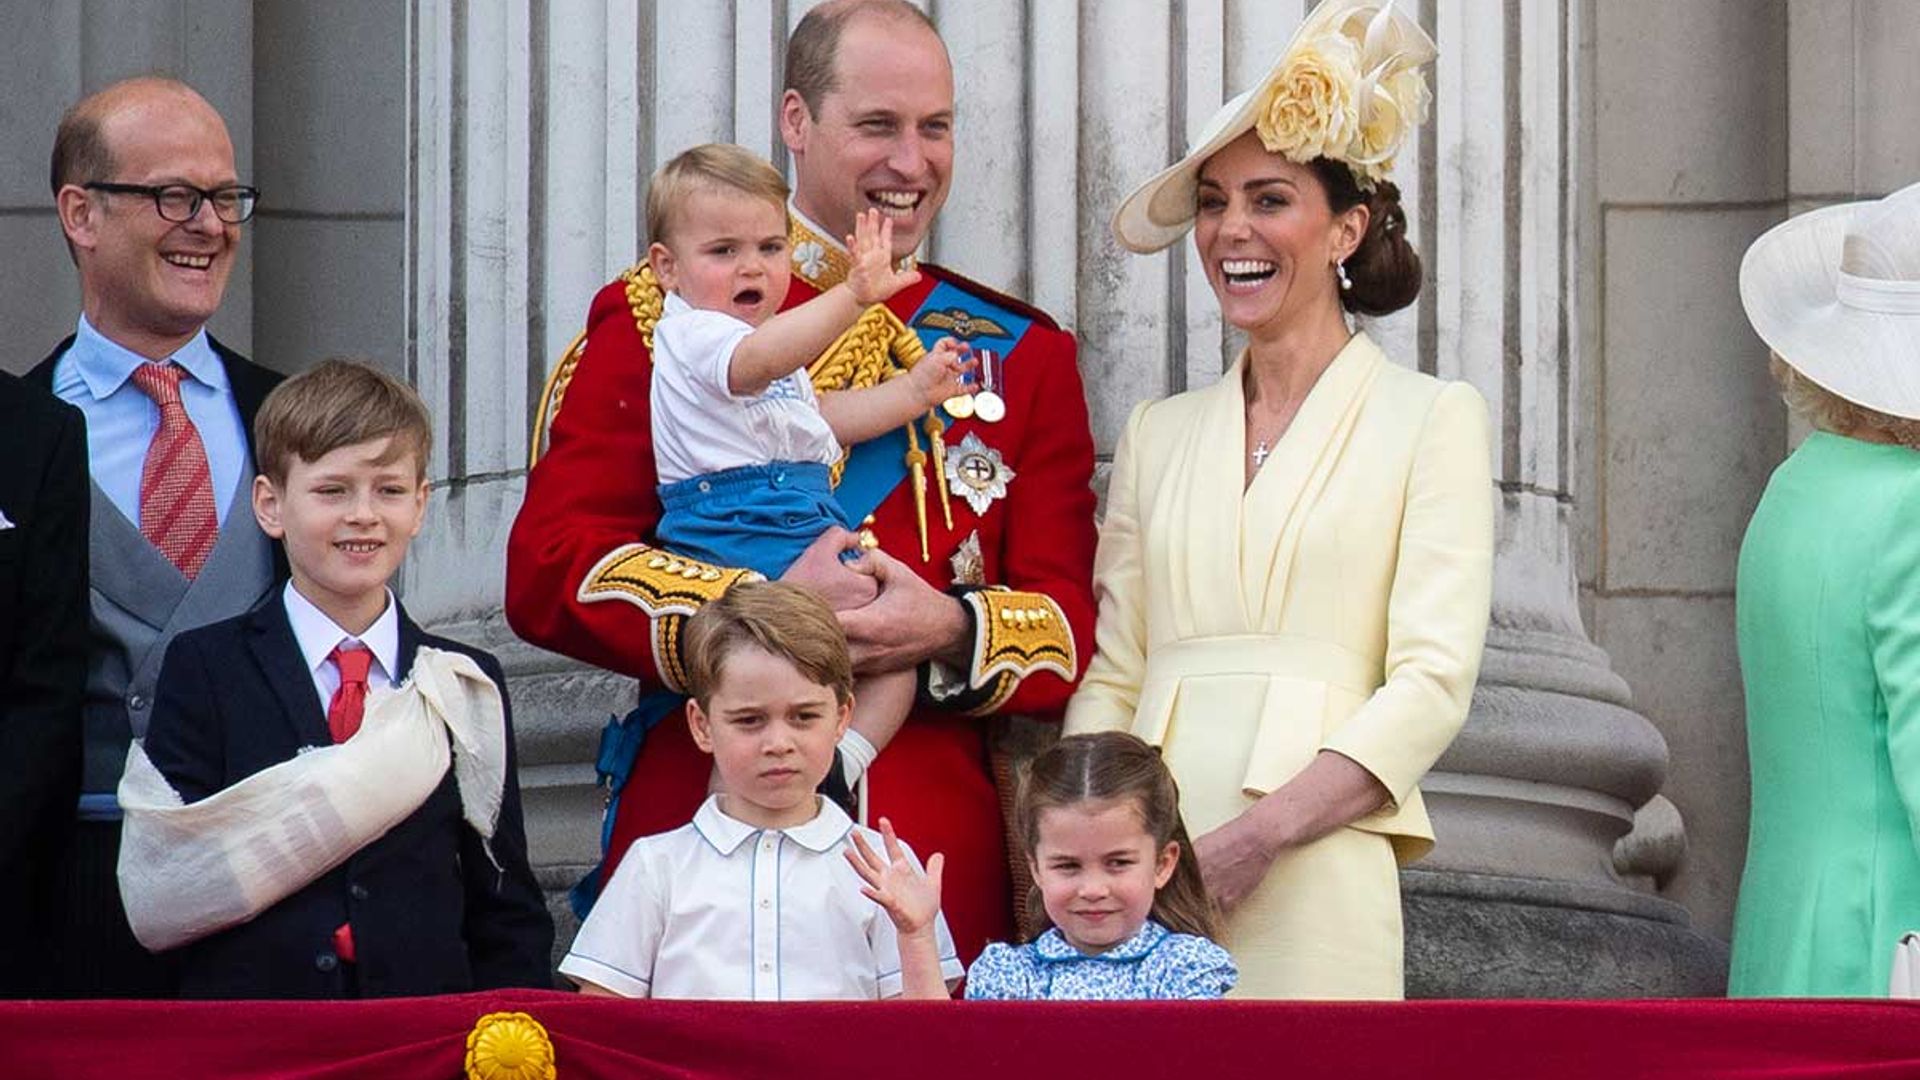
[509, 1046]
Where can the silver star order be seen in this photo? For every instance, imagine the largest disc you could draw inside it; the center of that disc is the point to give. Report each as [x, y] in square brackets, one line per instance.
[976, 473]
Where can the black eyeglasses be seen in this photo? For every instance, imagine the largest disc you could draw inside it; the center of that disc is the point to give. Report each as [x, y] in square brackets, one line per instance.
[181, 202]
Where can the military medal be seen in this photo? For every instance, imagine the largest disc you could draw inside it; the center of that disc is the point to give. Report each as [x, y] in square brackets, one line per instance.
[960, 406]
[976, 473]
[989, 408]
[988, 405]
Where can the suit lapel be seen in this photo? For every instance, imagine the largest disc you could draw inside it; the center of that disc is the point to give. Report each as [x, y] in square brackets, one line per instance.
[42, 373]
[250, 383]
[1202, 491]
[410, 640]
[277, 652]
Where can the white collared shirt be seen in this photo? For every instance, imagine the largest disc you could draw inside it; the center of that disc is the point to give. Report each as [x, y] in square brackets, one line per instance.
[722, 910]
[317, 634]
[700, 426]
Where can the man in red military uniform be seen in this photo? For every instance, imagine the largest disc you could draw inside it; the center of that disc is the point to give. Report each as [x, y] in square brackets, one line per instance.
[982, 513]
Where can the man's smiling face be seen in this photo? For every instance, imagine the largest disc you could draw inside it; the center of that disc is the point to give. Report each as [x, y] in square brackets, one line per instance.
[147, 279]
[882, 137]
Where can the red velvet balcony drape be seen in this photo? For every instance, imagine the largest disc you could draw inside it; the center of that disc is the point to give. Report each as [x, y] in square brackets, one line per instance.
[595, 1038]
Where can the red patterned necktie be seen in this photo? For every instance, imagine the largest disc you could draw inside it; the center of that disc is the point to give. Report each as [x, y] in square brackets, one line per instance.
[344, 713]
[349, 702]
[176, 487]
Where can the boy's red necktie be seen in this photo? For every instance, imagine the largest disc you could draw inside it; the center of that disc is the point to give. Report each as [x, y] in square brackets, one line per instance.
[176, 487]
[344, 713]
[349, 702]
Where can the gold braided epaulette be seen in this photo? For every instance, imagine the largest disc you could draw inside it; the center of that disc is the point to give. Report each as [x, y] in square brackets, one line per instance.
[1015, 635]
[646, 298]
[867, 353]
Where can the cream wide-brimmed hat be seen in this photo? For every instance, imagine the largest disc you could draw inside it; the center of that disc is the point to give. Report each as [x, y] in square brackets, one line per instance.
[1835, 293]
[1347, 87]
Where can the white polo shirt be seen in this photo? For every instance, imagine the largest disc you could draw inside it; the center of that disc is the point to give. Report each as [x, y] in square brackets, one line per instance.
[700, 426]
[722, 910]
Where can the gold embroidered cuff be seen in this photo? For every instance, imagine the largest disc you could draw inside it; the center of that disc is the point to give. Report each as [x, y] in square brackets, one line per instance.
[1016, 634]
[657, 581]
[668, 587]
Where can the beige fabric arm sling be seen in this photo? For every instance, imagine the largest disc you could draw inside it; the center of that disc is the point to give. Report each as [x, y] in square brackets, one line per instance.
[187, 871]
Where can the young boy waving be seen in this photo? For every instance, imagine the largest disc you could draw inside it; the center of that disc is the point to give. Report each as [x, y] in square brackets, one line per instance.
[771, 893]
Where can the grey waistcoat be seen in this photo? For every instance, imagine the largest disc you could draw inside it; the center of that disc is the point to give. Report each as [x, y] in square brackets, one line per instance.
[140, 601]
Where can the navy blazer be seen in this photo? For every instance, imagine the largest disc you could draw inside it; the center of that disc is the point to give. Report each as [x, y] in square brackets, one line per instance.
[430, 913]
[43, 661]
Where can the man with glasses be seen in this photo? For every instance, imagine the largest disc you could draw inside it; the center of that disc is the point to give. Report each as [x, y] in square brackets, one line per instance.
[144, 181]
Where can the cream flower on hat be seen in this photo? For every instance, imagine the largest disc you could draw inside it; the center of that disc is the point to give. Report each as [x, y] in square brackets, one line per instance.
[1348, 87]
[1309, 109]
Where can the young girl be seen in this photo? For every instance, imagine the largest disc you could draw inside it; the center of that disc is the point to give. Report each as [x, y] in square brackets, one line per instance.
[1115, 885]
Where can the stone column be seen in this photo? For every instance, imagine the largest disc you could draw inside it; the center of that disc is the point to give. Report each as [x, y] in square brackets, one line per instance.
[1524, 894]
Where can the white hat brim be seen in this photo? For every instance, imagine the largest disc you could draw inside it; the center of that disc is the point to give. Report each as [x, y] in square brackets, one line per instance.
[1161, 210]
[1789, 281]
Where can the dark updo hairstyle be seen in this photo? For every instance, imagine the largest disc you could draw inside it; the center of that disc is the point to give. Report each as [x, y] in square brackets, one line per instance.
[1384, 269]
[1114, 766]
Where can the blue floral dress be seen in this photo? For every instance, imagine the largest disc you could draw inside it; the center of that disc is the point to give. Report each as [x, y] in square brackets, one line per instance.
[1154, 964]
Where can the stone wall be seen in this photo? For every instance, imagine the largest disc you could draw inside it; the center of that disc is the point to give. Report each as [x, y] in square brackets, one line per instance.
[1714, 119]
[314, 94]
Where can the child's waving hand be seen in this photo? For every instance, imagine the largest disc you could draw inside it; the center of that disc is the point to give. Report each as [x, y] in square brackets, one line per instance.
[910, 898]
[873, 278]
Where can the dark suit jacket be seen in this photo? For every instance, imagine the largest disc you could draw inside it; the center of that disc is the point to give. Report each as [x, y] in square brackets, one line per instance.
[430, 913]
[43, 658]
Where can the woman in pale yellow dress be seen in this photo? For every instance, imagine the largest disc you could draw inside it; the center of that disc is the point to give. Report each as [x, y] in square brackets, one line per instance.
[1295, 567]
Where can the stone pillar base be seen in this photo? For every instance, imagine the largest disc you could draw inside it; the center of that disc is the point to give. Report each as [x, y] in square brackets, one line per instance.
[1491, 936]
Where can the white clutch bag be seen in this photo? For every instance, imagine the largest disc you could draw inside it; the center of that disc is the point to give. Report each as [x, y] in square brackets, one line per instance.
[1905, 982]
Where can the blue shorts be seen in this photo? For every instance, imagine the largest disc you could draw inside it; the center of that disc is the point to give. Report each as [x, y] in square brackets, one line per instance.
[757, 516]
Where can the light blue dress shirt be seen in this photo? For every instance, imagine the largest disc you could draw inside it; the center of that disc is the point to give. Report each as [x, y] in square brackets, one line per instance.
[96, 375]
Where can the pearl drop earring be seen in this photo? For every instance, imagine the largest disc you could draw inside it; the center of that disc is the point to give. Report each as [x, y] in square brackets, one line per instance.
[1346, 283]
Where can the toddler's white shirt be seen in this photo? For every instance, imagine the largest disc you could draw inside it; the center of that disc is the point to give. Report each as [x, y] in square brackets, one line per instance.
[701, 427]
[722, 910]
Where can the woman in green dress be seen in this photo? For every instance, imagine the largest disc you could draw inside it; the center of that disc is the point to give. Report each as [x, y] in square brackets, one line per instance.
[1828, 604]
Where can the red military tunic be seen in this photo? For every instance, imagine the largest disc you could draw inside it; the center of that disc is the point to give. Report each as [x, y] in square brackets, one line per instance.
[582, 580]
